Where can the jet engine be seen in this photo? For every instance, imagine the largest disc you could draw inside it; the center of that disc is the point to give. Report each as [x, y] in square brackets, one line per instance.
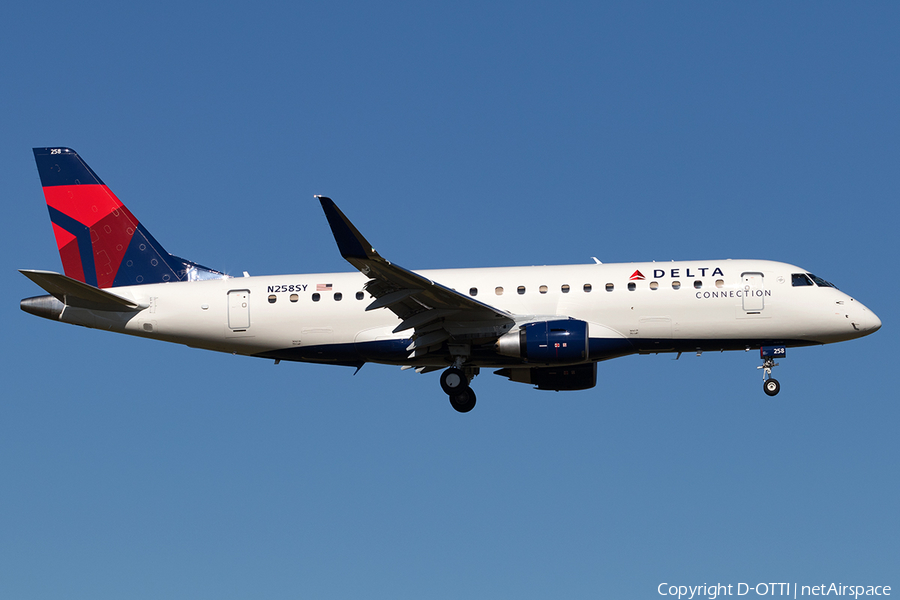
[574, 377]
[547, 342]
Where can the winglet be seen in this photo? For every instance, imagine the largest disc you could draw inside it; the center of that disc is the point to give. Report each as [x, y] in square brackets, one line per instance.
[350, 241]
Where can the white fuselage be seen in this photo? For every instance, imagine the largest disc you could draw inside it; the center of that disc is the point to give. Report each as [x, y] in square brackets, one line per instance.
[676, 306]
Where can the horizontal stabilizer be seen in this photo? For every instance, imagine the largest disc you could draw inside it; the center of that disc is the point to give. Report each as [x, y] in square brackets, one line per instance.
[72, 292]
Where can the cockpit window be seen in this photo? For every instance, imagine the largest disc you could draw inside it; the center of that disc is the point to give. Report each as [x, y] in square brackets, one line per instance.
[798, 279]
[801, 279]
[821, 282]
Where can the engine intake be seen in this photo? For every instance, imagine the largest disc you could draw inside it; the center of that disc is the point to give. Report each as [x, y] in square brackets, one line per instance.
[547, 342]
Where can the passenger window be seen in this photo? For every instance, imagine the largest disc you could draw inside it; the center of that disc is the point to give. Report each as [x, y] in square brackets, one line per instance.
[315, 297]
[631, 286]
[338, 296]
[360, 295]
[654, 285]
[294, 297]
[565, 288]
[473, 292]
[720, 283]
[610, 287]
[498, 290]
[676, 285]
[800, 279]
[587, 287]
[272, 299]
[520, 289]
[543, 289]
[698, 284]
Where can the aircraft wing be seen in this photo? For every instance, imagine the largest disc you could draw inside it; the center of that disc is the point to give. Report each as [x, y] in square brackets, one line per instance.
[436, 312]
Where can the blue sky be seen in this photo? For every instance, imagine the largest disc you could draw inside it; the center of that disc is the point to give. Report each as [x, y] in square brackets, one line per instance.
[474, 134]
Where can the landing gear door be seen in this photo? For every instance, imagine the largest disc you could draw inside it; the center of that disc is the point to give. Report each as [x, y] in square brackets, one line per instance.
[752, 292]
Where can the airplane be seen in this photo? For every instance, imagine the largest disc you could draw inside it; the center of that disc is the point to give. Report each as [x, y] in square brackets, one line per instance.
[546, 326]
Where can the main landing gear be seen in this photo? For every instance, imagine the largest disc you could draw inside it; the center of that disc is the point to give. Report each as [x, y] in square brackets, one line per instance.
[768, 354]
[455, 383]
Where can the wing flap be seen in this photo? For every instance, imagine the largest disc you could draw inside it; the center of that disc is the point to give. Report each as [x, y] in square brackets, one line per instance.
[392, 298]
[429, 339]
[419, 320]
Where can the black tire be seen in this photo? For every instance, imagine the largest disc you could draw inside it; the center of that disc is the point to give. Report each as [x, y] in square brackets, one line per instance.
[453, 381]
[463, 401]
[771, 387]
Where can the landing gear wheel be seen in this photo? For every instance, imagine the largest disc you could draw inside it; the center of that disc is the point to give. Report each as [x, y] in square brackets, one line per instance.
[453, 381]
[463, 401]
[771, 386]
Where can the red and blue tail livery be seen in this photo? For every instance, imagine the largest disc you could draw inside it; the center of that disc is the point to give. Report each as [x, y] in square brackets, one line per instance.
[100, 242]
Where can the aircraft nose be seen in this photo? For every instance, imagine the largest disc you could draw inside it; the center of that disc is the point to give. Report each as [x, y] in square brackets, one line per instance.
[868, 321]
[873, 323]
[863, 320]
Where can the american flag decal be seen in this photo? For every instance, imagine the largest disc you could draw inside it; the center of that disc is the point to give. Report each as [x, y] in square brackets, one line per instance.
[323, 287]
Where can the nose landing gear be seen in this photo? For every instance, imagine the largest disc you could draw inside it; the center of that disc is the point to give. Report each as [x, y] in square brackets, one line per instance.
[768, 353]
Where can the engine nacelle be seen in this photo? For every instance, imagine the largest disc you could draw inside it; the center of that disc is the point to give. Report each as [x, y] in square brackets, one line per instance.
[547, 342]
[573, 377]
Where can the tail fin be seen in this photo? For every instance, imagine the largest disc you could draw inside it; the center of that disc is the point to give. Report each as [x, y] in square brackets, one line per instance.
[100, 242]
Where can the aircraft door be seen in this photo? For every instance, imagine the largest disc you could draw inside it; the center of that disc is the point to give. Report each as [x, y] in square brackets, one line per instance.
[752, 292]
[239, 310]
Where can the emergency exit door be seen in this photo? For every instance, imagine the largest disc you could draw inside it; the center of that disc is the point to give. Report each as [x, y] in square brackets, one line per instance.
[239, 310]
[753, 292]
